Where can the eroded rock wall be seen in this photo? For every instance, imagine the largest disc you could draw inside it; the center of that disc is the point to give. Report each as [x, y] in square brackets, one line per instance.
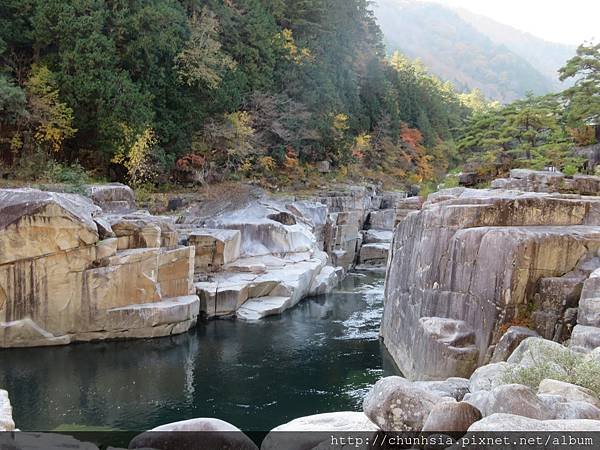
[62, 280]
[476, 257]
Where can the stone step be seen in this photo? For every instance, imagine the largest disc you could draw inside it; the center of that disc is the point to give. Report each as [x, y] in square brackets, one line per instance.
[257, 308]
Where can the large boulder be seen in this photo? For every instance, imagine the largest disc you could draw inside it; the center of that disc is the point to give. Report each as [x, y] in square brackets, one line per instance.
[395, 404]
[477, 256]
[194, 434]
[453, 387]
[487, 377]
[509, 342]
[585, 338]
[560, 407]
[142, 230]
[515, 399]
[112, 197]
[374, 254]
[384, 219]
[37, 223]
[67, 285]
[569, 391]
[534, 350]
[589, 303]
[325, 429]
[451, 417]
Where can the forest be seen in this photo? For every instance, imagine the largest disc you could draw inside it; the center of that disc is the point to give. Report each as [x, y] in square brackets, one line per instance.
[277, 92]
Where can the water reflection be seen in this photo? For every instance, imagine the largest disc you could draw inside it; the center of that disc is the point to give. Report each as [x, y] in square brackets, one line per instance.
[318, 357]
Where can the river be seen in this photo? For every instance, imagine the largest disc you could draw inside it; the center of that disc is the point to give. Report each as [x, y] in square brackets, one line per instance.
[321, 356]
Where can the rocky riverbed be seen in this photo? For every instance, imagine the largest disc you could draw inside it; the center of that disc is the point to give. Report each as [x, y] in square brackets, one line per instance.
[491, 303]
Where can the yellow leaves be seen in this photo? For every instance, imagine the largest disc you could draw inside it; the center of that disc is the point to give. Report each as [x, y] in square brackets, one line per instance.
[16, 143]
[340, 122]
[54, 118]
[295, 54]
[362, 145]
[267, 163]
[136, 155]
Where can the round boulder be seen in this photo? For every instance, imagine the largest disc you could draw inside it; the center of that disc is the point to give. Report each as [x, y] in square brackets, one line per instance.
[194, 434]
[451, 417]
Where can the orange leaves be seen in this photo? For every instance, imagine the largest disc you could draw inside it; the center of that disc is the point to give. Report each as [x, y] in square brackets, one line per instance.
[190, 162]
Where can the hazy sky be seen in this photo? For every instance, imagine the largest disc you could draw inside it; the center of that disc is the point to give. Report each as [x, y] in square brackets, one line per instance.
[566, 21]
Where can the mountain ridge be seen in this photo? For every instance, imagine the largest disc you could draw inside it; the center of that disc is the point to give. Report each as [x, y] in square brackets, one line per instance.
[452, 47]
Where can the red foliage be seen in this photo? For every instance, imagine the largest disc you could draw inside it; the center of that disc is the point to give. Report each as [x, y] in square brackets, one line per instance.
[411, 136]
[190, 162]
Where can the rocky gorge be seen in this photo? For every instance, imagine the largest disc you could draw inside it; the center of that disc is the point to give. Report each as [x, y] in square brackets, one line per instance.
[491, 303]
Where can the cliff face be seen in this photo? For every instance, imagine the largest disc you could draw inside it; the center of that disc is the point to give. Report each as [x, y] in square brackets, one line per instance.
[474, 260]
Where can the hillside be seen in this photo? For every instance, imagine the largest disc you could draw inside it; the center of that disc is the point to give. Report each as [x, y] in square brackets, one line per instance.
[454, 49]
[547, 57]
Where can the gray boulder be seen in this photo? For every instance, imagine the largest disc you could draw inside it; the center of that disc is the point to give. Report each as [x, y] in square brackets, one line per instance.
[562, 408]
[453, 387]
[193, 434]
[395, 404]
[487, 377]
[569, 391]
[451, 417]
[509, 342]
[510, 399]
[585, 338]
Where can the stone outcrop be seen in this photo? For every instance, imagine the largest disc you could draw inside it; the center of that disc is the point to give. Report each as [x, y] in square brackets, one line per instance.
[510, 341]
[6, 420]
[451, 417]
[62, 280]
[472, 261]
[112, 198]
[546, 181]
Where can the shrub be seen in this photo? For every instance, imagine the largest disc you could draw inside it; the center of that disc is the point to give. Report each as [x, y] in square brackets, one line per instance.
[567, 366]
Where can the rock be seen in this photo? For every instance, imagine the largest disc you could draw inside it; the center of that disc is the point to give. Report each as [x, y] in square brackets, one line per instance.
[451, 417]
[512, 422]
[377, 236]
[382, 220]
[140, 230]
[214, 248]
[311, 431]
[48, 222]
[258, 308]
[589, 303]
[66, 285]
[487, 377]
[453, 387]
[533, 350]
[374, 254]
[468, 179]
[553, 297]
[325, 281]
[561, 408]
[477, 256]
[569, 391]
[394, 404]
[451, 349]
[194, 434]
[266, 229]
[112, 198]
[6, 420]
[510, 399]
[509, 342]
[585, 338]
[323, 166]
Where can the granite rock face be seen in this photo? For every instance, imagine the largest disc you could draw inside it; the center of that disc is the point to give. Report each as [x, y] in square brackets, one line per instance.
[476, 258]
[60, 282]
[546, 181]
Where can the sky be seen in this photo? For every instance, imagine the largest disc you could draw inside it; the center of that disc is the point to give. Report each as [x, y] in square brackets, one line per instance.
[563, 21]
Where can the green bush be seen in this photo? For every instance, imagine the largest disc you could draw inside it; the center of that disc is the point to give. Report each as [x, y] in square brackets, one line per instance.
[567, 366]
[73, 174]
[570, 170]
